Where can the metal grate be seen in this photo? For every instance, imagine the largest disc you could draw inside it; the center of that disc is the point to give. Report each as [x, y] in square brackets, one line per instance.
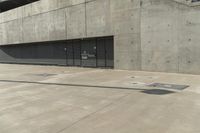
[168, 86]
[158, 92]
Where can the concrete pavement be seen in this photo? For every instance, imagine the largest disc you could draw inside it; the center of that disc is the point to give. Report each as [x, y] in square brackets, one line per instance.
[50, 99]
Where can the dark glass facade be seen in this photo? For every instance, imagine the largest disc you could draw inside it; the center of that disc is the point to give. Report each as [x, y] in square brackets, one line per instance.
[91, 52]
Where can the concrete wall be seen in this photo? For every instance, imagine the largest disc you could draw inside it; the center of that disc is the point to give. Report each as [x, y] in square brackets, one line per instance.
[150, 35]
[170, 36]
[48, 20]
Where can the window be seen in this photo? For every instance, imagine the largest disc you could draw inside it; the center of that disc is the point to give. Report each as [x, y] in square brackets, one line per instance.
[6, 5]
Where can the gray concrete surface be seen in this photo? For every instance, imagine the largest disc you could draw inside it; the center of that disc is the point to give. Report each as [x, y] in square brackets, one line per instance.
[150, 35]
[169, 39]
[49, 99]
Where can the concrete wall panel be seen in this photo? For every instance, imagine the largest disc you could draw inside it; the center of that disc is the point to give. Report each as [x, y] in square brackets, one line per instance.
[119, 5]
[36, 8]
[76, 22]
[42, 27]
[14, 31]
[67, 3]
[3, 37]
[27, 10]
[125, 17]
[57, 25]
[126, 21]
[98, 18]
[189, 22]
[29, 33]
[127, 52]
[48, 5]
[169, 38]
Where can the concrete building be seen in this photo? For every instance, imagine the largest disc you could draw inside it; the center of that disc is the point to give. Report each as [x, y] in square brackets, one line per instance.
[149, 35]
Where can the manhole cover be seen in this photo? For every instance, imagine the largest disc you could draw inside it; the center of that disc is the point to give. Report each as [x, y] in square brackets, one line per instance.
[169, 86]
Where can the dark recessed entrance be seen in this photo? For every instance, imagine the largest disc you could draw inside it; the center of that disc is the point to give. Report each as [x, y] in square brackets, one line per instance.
[93, 52]
[96, 52]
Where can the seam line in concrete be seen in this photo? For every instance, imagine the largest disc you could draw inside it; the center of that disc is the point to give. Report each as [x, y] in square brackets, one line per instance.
[74, 85]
